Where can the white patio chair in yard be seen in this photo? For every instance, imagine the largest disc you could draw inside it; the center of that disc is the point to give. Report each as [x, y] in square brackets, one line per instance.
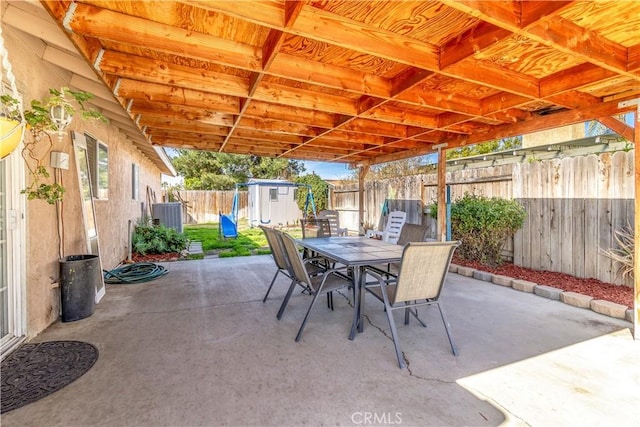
[323, 283]
[420, 279]
[392, 229]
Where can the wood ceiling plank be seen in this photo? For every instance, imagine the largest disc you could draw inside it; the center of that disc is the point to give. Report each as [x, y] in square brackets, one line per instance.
[446, 101]
[331, 144]
[164, 135]
[475, 40]
[133, 89]
[271, 47]
[352, 137]
[573, 78]
[495, 77]
[109, 25]
[191, 145]
[155, 71]
[408, 79]
[266, 136]
[277, 127]
[304, 70]
[182, 125]
[292, 10]
[574, 40]
[634, 58]
[553, 31]
[319, 25]
[261, 12]
[176, 112]
[290, 114]
[387, 113]
[257, 143]
[280, 94]
[549, 121]
[376, 128]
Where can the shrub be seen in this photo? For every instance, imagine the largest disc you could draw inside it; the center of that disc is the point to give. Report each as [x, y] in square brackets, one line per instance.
[319, 189]
[156, 239]
[483, 225]
[622, 255]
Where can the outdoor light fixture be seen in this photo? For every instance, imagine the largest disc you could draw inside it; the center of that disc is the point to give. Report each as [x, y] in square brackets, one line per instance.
[60, 116]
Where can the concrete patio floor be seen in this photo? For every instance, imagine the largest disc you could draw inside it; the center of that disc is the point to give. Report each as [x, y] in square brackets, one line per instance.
[198, 347]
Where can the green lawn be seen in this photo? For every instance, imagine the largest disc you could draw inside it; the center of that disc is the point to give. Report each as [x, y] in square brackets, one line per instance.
[250, 241]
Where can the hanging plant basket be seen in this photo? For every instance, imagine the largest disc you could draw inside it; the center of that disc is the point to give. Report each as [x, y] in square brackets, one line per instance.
[11, 133]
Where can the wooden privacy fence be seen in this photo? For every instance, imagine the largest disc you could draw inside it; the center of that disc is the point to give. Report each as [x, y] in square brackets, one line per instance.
[574, 206]
[204, 206]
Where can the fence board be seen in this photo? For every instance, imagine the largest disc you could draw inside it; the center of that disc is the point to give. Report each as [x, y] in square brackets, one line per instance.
[555, 224]
[566, 241]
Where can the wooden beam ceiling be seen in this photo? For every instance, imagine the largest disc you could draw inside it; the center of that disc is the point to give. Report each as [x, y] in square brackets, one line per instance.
[355, 82]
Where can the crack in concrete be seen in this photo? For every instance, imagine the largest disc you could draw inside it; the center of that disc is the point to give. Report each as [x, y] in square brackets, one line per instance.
[404, 355]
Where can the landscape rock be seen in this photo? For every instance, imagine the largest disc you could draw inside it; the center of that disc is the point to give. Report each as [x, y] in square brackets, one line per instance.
[502, 280]
[609, 308]
[523, 285]
[575, 299]
[482, 275]
[548, 292]
[466, 271]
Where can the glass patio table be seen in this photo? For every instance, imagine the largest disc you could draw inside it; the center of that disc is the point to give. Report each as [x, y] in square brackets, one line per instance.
[357, 252]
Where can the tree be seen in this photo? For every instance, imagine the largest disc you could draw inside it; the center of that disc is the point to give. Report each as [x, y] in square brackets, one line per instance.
[485, 148]
[319, 189]
[206, 170]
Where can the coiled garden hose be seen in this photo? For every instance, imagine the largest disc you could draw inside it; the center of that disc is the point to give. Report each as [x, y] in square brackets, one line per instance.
[138, 272]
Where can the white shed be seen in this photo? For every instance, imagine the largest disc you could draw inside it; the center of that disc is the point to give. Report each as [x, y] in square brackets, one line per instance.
[273, 202]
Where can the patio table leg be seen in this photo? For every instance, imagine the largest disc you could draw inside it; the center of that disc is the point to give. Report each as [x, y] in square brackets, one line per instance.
[357, 301]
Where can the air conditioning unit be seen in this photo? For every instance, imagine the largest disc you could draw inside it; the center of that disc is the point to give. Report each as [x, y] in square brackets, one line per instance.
[168, 214]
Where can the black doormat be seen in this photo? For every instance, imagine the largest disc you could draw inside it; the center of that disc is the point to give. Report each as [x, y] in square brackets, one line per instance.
[36, 370]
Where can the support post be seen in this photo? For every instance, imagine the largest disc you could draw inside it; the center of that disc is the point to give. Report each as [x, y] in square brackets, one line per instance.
[636, 218]
[441, 193]
[362, 173]
[636, 221]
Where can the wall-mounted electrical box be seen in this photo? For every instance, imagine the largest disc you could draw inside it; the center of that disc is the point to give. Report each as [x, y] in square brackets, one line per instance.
[59, 160]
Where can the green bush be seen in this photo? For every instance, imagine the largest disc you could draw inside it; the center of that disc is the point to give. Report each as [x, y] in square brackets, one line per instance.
[319, 189]
[483, 225]
[156, 239]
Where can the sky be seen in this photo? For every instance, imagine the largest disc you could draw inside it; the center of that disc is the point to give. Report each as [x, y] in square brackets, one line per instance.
[327, 170]
[324, 170]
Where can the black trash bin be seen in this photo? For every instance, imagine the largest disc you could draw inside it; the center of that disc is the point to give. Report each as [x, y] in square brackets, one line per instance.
[79, 276]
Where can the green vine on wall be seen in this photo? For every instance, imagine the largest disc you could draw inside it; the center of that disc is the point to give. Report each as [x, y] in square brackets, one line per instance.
[41, 126]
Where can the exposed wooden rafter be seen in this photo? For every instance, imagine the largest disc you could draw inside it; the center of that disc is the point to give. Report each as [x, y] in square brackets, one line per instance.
[355, 82]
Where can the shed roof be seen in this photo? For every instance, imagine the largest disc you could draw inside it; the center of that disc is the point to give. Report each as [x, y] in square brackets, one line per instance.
[359, 82]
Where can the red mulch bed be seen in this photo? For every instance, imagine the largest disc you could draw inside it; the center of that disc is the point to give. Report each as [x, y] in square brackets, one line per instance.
[592, 287]
[155, 257]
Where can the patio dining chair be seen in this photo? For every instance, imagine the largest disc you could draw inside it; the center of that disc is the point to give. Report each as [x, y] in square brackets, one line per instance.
[279, 257]
[409, 233]
[334, 221]
[420, 279]
[316, 227]
[323, 283]
[392, 229]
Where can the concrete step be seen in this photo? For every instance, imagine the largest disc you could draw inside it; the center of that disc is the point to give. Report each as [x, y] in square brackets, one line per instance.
[195, 248]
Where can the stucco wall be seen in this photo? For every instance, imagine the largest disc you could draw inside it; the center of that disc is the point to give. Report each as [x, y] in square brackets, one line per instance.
[34, 78]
